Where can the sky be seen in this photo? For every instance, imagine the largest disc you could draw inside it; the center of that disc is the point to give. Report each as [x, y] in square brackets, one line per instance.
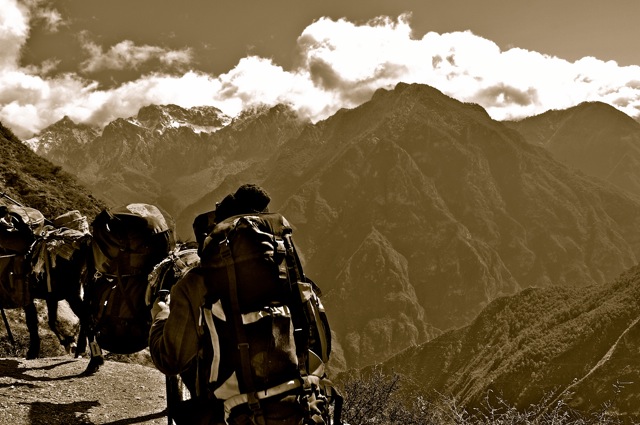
[95, 60]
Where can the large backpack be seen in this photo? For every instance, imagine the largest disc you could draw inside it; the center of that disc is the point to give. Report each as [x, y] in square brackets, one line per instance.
[19, 228]
[265, 331]
[170, 270]
[127, 243]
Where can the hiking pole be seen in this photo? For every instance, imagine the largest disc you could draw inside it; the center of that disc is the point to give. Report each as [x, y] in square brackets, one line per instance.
[169, 393]
[4, 195]
[6, 325]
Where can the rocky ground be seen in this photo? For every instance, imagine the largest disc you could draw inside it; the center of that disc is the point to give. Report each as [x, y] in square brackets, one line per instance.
[52, 391]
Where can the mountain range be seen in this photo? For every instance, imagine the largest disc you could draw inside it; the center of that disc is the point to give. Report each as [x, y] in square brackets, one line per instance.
[413, 211]
[166, 155]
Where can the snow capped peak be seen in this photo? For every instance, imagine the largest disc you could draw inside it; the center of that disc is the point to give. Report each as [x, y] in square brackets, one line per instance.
[200, 119]
[60, 133]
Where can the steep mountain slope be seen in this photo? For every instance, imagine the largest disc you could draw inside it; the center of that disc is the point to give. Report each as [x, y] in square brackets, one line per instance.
[592, 137]
[426, 209]
[36, 182]
[580, 344]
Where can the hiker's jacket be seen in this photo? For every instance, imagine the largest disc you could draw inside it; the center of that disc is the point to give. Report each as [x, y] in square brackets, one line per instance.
[174, 338]
[174, 344]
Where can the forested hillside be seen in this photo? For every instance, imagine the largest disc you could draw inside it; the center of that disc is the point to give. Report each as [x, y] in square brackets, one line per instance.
[35, 182]
[577, 344]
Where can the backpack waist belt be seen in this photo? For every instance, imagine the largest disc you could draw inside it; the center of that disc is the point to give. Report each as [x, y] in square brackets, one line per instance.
[240, 399]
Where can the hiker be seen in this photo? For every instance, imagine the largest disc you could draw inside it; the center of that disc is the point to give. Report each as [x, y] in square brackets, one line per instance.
[189, 338]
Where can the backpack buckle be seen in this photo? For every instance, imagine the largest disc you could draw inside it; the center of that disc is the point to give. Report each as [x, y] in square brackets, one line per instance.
[225, 250]
[256, 409]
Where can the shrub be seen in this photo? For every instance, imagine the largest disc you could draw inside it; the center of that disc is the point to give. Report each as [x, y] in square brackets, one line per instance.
[390, 399]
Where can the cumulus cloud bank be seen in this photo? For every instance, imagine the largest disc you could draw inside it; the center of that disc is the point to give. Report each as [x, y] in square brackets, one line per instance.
[341, 65]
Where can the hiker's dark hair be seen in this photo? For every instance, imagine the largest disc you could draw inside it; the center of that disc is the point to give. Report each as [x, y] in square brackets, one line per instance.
[247, 199]
[251, 198]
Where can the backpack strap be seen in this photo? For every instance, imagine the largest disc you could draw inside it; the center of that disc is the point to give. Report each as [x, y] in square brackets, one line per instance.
[300, 319]
[243, 344]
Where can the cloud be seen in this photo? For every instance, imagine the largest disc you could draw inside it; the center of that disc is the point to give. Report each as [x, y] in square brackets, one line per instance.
[352, 61]
[343, 56]
[126, 55]
[51, 18]
[29, 103]
[502, 94]
[341, 64]
[14, 30]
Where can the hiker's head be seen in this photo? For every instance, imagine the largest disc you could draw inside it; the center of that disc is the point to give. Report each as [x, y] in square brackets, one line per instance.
[249, 198]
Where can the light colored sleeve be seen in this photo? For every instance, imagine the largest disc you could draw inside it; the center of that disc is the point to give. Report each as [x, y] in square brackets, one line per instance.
[174, 335]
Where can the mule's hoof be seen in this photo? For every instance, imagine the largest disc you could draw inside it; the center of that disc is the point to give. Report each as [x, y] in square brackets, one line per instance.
[94, 365]
[70, 349]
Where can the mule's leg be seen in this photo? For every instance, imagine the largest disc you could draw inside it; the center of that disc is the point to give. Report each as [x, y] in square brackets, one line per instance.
[68, 341]
[96, 356]
[81, 348]
[31, 317]
[52, 315]
[75, 297]
[80, 310]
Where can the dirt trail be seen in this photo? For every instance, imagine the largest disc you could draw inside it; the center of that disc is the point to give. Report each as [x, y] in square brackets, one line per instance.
[51, 391]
